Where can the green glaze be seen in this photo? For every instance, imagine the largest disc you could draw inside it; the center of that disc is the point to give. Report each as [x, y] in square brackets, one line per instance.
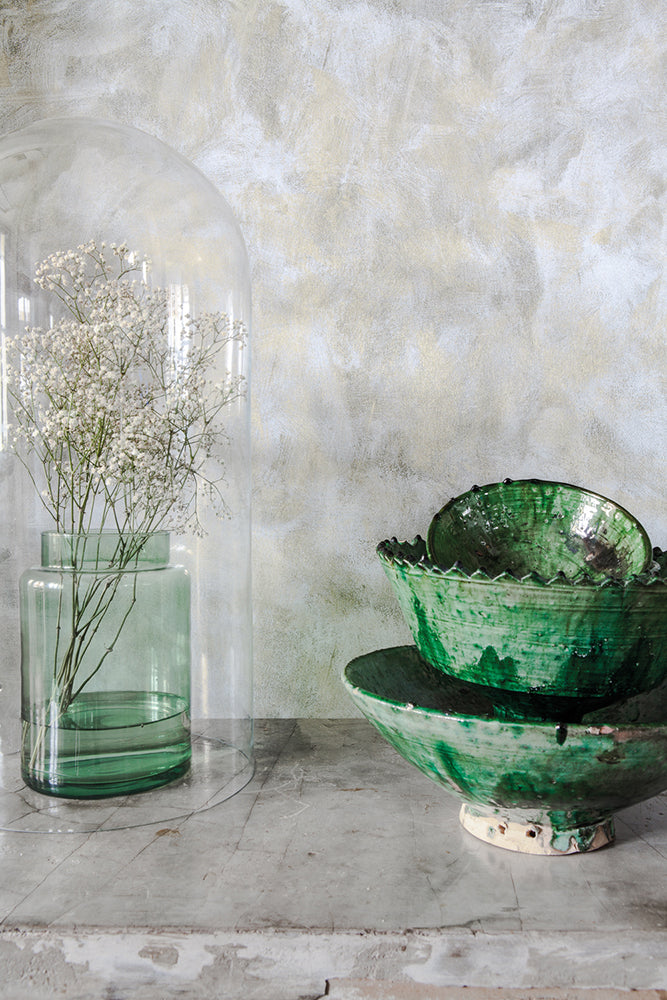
[530, 771]
[532, 526]
[557, 649]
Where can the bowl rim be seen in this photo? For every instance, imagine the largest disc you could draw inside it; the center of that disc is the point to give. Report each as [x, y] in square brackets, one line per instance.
[583, 490]
[393, 551]
[592, 728]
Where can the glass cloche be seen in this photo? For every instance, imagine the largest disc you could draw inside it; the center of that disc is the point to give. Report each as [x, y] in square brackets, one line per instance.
[125, 475]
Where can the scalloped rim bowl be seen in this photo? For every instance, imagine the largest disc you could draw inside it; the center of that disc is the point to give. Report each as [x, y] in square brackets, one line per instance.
[575, 640]
[533, 525]
[533, 787]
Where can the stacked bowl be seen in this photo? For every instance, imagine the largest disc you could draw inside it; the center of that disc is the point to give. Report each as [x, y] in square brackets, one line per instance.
[537, 691]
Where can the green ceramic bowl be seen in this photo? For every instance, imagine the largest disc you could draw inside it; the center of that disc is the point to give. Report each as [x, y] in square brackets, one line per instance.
[556, 649]
[534, 787]
[531, 526]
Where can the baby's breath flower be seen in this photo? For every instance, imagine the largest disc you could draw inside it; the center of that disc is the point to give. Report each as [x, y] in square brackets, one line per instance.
[116, 399]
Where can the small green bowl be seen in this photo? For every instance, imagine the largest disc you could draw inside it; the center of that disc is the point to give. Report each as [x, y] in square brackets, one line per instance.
[532, 526]
[553, 650]
[534, 787]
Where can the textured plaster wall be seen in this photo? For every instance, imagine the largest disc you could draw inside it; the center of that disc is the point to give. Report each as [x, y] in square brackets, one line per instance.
[455, 215]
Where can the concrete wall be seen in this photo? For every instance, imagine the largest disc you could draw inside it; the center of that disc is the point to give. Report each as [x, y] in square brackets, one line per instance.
[455, 214]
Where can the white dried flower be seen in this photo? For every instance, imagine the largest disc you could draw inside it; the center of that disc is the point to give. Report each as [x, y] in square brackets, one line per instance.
[121, 421]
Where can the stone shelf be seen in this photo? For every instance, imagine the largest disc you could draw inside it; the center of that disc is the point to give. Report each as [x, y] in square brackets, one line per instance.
[338, 871]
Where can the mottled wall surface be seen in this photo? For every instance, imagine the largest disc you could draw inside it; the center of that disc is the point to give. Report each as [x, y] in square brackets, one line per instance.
[455, 214]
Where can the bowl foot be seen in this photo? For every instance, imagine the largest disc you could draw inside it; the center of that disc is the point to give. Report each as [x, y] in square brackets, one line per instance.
[535, 832]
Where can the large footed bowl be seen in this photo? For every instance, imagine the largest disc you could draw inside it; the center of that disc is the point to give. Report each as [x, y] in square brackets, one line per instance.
[535, 787]
[553, 649]
[532, 526]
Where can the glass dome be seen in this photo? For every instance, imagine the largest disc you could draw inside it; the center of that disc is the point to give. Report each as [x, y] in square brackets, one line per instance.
[107, 234]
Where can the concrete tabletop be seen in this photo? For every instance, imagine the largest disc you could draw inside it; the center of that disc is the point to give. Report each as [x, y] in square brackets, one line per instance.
[338, 870]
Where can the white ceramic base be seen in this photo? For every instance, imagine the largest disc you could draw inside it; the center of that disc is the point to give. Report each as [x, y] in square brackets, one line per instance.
[530, 833]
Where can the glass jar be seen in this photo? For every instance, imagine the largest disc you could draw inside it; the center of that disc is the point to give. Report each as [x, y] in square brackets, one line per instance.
[111, 240]
[105, 666]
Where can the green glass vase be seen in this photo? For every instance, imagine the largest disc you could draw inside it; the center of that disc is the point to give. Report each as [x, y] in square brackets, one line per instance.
[105, 665]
